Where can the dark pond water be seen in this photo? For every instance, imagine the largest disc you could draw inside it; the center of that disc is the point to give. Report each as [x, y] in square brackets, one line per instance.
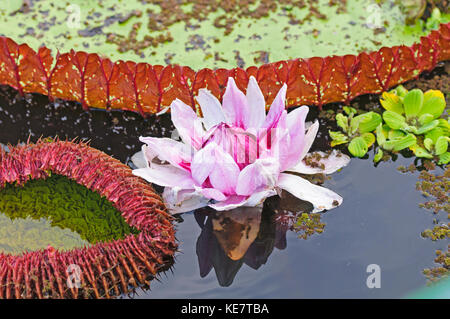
[379, 222]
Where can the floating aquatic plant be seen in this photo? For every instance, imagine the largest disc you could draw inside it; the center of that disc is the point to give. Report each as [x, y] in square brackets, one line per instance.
[357, 130]
[442, 270]
[410, 114]
[107, 268]
[140, 87]
[236, 155]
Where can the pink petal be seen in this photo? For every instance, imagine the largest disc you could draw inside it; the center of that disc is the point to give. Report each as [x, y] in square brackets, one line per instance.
[166, 175]
[262, 173]
[225, 174]
[176, 153]
[276, 109]
[310, 136]
[187, 123]
[234, 104]
[237, 201]
[212, 193]
[203, 163]
[256, 113]
[211, 109]
[322, 198]
[296, 127]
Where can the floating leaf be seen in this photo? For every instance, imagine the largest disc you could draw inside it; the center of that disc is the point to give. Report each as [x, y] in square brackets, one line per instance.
[337, 138]
[349, 110]
[412, 102]
[441, 145]
[434, 134]
[428, 143]
[425, 118]
[392, 102]
[393, 134]
[420, 151]
[358, 147]
[369, 122]
[381, 136]
[342, 121]
[401, 143]
[400, 91]
[427, 127]
[433, 105]
[394, 120]
[444, 158]
[369, 138]
[378, 156]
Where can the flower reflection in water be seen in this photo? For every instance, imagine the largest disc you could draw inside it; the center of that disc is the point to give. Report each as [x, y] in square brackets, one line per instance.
[244, 235]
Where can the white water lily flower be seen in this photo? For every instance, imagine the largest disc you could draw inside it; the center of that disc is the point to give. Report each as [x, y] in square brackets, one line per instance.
[236, 155]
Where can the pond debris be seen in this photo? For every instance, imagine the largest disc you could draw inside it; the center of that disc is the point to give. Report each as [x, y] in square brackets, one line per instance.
[437, 188]
[438, 232]
[442, 270]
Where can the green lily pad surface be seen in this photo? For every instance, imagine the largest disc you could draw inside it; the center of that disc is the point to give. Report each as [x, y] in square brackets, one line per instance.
[216, 34]
[56, 212]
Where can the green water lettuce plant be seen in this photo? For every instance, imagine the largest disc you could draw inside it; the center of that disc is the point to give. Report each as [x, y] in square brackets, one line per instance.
[412, 111]
[413, 120]
[356, 130]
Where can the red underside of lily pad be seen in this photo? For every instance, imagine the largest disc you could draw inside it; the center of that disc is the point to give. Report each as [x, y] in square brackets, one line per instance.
[107, 269]
[144, 88]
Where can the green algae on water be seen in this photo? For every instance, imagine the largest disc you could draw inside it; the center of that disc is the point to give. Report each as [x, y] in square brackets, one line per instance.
[66, 206]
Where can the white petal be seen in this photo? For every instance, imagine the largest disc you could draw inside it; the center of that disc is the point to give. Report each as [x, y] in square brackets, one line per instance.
[321, 197]
[332, 163]
[310, 136]
[139, 160]
[181, 201]
[256, 114]
[166, 175]
[211, 109]
[168, 150]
